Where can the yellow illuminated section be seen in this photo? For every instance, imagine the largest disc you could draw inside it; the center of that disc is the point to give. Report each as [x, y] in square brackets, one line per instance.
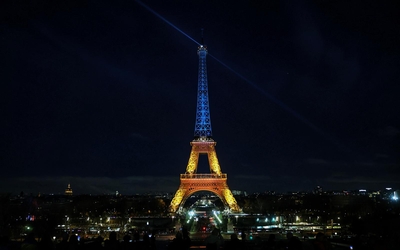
[203, 148]
[193, 161]
[231, 200]
[177, 200]
[213, 161]
[214, 182]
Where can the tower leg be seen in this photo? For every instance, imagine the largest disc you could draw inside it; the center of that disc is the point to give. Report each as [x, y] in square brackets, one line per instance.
[213, 161]
[193, 161]
[228, 196]
[176, 201]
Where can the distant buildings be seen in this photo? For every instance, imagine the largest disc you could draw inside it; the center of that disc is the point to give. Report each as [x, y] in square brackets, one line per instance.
[239, 192]
[318, 190]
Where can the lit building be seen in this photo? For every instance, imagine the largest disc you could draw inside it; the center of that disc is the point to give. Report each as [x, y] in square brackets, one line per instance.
[68, 190]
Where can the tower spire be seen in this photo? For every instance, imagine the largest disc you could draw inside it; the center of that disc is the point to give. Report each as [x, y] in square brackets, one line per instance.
[202, 127]
[202, 36]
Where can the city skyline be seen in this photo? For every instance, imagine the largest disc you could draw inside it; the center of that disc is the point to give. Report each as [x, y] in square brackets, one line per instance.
[103, 95]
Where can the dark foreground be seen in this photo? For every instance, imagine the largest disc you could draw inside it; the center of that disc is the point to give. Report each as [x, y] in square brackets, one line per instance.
[169, 242]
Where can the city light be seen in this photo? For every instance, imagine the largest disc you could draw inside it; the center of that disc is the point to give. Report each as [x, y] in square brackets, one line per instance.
[395, 197]
[216, 216]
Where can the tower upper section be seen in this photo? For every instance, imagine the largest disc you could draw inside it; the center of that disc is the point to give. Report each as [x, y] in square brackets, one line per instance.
[202, 129]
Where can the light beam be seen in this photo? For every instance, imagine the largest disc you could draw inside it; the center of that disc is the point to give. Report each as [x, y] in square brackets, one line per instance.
[165, 20]
[254, 85]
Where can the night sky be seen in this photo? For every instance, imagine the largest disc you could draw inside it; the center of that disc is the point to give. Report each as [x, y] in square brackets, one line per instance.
[102, 94]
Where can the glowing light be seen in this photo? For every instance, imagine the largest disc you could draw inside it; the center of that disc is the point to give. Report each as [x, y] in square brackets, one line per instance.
[216, 216]
[395, 197]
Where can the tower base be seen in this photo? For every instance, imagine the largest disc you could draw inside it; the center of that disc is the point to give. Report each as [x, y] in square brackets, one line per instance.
[214, 182]
[192, 183]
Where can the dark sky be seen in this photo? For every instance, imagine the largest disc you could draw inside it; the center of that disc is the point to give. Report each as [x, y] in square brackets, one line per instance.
[102, 94]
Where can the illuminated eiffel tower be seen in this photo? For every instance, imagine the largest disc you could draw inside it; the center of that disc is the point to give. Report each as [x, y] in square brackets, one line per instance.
[216, 181]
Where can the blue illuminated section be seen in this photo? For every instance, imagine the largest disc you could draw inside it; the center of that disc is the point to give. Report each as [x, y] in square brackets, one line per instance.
[203, 120]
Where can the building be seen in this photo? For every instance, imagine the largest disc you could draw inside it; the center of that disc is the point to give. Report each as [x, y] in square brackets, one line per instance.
[68, 190]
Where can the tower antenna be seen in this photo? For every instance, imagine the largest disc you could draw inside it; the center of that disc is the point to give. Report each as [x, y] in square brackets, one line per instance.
[202, 36]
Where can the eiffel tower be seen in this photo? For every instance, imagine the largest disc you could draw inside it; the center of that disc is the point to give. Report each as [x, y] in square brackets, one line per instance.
[216, 181]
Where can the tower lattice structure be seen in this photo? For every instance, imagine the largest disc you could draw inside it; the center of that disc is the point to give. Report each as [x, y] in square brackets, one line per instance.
[203, 144]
